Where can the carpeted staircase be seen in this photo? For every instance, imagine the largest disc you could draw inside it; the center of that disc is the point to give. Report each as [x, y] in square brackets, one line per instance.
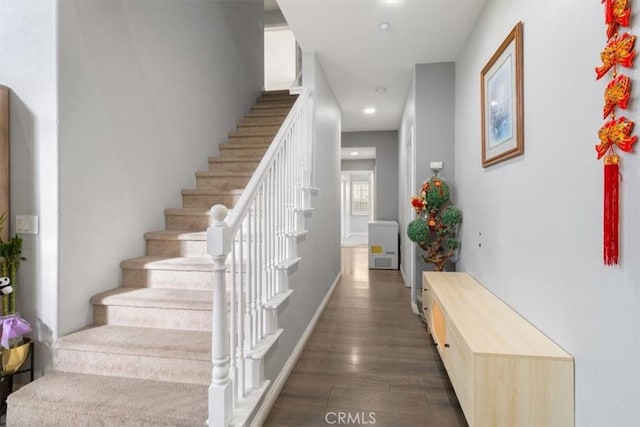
[146, 361]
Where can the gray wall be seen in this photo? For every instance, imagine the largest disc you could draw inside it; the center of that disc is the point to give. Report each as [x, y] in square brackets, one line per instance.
[28, 66]
[147, 91]
[320, 251]
[386, 172]
[430, 110]
[358, 165]
[540, 214]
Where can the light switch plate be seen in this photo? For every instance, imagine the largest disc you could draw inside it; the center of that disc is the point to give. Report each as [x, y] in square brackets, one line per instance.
[435, 165]
[26, 224]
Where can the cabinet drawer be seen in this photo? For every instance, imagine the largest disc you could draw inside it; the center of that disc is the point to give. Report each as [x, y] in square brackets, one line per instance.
[458, 360]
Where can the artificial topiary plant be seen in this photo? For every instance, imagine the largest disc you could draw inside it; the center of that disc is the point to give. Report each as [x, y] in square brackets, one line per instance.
[436, 227]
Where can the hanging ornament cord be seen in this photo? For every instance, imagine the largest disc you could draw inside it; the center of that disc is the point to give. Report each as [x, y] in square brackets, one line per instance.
[611, 208]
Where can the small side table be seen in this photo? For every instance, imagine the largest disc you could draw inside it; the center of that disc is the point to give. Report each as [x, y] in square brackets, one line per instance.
[6, 381]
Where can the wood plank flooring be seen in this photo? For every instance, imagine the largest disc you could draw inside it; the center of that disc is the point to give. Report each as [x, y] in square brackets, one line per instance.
[369, 358]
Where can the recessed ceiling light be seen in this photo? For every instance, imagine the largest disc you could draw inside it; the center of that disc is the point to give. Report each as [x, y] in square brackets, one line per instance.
[354, 153]
[369, 110]
[380, 90]
[384, 26]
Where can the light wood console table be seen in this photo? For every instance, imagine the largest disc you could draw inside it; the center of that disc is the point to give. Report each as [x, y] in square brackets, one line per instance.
[504, 371]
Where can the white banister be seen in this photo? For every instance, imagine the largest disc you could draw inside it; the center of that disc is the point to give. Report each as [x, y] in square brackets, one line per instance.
[221, 388]
[252, 253]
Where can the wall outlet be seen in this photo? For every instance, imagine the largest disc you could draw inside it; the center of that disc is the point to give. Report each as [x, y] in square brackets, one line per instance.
[26, 224]
[435, 165]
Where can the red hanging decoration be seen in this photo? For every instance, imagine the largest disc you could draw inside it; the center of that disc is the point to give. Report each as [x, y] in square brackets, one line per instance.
[608, 11]
[617, 13]
[611, 208]
[619, 51]
[617, 94]
[615, 133]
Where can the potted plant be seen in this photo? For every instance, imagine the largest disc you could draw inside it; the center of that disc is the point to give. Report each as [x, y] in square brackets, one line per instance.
[14, 346]
[435, 228]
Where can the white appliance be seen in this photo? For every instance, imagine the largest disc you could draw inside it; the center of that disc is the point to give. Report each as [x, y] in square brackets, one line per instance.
[383, 245]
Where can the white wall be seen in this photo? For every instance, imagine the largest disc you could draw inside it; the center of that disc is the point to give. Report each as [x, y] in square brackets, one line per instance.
[279, 58]
[28, 66]
[386, 178]
[540, 214]
[147, 91]
[320, 251]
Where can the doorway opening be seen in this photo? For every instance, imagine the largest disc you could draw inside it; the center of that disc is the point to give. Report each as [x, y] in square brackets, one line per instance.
[280, 57]
[358, 195]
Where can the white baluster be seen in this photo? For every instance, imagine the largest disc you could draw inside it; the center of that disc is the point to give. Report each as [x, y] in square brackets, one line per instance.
[237, 264]
[220, 390]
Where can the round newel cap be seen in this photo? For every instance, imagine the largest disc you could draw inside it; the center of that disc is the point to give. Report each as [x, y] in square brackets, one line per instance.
[219, 213]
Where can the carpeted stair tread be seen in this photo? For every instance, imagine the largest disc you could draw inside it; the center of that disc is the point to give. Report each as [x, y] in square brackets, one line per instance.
[224, 174]
[164, 263]
[168, 343]
[195, 191]
[234, 159]
[186, 211]
[156, 298]
[66, 399]
[238, 145]
[176, 235]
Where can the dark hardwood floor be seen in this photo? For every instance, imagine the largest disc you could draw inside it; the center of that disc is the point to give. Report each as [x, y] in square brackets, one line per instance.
[369, 360]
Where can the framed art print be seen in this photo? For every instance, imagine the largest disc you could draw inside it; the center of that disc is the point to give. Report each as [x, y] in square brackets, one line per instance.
[502, 101]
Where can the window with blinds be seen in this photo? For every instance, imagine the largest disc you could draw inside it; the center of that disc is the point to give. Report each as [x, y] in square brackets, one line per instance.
[360, 198]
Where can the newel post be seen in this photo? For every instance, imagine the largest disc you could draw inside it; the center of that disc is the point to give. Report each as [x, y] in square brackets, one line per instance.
[221, 389]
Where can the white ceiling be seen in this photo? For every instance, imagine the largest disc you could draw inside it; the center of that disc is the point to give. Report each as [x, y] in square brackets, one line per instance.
[358, 57]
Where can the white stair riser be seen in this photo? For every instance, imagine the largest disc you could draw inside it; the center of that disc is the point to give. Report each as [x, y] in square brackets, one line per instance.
[230, 151]
[231, 166]
[222, 183]
[158, 368]
[177, 248]
[187, 222]
[152, 317]
[206, 201]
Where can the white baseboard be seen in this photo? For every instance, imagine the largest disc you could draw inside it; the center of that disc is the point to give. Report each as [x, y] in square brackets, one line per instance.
[281, 379]
[414, 308]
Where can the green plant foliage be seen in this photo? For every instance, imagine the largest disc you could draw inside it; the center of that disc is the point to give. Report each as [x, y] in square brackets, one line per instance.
[435, 228]
[437, 194]
[451, 216]
[418, 231]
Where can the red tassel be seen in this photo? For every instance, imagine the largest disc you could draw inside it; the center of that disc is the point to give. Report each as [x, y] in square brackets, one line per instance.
[611, 208]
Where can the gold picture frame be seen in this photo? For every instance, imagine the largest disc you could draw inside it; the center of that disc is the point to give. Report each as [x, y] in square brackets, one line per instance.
[502, 98]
